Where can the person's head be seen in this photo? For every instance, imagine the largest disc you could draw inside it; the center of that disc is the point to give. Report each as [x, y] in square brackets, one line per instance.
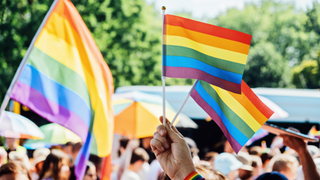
[208, 173]
[75, 150]
[228, 164]
[97, 161]
[39, 155]
[210, 156]
[272, 176]
[56, 166]
[227, 147]
[3, 156]
[246, 170]
[15, 156]
[14, 171]
[285, 164]
[123, 144]
[12, 143]
[67, 148]
[90, 172]
[257, 166]
[139, 156]
[265, 158]
[255, 150]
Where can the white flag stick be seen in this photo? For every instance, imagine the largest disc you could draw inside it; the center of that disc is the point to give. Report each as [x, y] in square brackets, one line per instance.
[185, 101]
[163, 76]
[24, 61]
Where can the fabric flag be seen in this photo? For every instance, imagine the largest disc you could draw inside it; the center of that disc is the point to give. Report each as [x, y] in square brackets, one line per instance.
[106, 168]
[239, 116]
[258, 135]
[67, 81]
[197, 50]
[314, 132]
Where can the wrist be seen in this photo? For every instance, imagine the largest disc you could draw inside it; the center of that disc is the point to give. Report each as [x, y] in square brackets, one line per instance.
[303, 150]
[194, 176]
[183, 172]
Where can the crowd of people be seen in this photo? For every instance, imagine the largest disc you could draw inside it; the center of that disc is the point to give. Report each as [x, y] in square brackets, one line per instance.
[166, 155]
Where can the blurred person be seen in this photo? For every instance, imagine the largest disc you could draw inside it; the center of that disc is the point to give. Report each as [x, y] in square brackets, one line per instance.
[227, 147]
[308, 166]
[3, 156]
[98, 163]
[14, 171]
[39, 156]
[155, 170]
[228, 164]
[272, 176]
[15, 156]
[173, 153]
[12, 144]
[205, 169]
[210, 156]
[265, 158]
[67, 148]
[285, 164]
[246, 170]
[75, 150]
[90, 172]
[145, 144]
[255, 150]
[55, 167]
[300, 174]
[123, 141]
[257, 166]
[138, 158]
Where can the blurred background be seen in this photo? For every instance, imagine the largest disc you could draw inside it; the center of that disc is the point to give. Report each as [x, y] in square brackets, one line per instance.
[283, 63]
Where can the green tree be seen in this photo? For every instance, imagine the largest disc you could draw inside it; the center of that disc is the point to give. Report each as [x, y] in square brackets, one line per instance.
[306, 75]
[278, 26]
[128, 34]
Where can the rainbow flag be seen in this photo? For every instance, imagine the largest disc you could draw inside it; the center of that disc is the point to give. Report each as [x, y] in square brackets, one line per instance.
[197, 50]
[314, 132]
[67, 81]
[239, 116]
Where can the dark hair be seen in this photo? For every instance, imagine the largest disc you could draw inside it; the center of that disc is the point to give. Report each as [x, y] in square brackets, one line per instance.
[139, 154]
[272, 175]
[14, 168]
[76, 147]
[265, 157]
[55, 158]
[69, 143]
[124, 142]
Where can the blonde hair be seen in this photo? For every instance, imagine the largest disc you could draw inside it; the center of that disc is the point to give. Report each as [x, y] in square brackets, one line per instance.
[283, 162]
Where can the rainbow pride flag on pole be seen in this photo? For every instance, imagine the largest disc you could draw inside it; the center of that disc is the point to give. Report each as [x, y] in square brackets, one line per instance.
[67, 81]
[203, 51]
[239, 116]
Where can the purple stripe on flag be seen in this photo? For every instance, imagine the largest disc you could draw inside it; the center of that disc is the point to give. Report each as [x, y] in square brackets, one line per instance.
[82, 158]
[48, 109]
[206, 107]
[182, 72]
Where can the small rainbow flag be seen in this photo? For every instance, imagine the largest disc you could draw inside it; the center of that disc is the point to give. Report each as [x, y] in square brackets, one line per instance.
[239, 116]
[314, 132]
[197, 50]
[67, 81]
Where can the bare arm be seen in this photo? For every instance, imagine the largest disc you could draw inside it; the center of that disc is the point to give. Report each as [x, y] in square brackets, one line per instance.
[308, 166]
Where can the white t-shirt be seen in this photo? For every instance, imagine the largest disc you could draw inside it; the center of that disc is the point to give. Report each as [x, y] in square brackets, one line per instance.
[130, 175]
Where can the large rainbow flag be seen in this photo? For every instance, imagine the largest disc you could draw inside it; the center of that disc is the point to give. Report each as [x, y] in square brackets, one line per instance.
[203, 51]
[67, 81]
[239, 116]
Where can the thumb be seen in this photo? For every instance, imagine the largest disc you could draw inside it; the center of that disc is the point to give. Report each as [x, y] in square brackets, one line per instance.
[172, 132]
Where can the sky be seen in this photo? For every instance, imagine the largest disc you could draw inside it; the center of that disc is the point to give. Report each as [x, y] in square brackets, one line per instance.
[211, 8]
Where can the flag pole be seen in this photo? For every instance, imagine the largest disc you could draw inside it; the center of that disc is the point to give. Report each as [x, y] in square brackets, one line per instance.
[24, 61]
[185, 100]
[163, 77]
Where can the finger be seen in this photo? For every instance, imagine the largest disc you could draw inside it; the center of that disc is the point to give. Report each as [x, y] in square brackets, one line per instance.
[162, 139]
[162, 130]
[155, 150]
[155, 144]
[168, 125]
